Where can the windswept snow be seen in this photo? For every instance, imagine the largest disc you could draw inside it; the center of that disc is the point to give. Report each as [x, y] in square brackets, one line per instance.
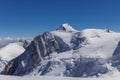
[101, 43]
[11, 51]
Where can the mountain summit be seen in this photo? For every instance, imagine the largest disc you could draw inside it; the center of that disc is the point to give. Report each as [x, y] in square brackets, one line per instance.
[66, 27]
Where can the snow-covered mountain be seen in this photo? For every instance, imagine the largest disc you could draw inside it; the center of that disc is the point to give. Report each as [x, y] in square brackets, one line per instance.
[69, 52]
[11, 48]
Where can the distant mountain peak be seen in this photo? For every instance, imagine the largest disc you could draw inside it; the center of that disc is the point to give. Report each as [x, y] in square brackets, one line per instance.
[66, 27]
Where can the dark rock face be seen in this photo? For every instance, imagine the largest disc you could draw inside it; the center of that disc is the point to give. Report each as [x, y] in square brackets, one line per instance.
[116, 57]
[61, 28]
[117, 50]
[85, 67]
[25, 43]
[78, 41]
[40, 47]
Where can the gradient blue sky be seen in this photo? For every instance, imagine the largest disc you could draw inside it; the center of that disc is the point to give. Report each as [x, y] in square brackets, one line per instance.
[28, 18]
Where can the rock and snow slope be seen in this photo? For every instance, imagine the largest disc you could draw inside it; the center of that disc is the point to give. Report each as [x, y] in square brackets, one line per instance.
[9, 52]
[9, 49]
[68, 52]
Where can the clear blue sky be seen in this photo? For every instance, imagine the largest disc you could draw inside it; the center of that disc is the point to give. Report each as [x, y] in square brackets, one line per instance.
[28, 18]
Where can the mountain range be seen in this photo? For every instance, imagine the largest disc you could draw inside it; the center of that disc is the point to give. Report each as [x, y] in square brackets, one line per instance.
[64, 52]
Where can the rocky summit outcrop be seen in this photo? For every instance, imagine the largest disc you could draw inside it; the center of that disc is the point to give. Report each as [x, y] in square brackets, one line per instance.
[25, 43]
[66, 27]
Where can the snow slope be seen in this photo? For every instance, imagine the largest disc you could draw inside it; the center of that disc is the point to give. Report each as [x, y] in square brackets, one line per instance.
[2, 77]
[11, 51]
[101, 43]
[11, 48]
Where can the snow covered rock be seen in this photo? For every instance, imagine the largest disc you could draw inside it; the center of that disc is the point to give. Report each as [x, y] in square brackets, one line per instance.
[78, 40]
[9, 52]
[41, 46]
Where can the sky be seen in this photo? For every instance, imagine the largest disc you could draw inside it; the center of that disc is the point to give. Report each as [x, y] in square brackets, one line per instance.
[28, 18]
